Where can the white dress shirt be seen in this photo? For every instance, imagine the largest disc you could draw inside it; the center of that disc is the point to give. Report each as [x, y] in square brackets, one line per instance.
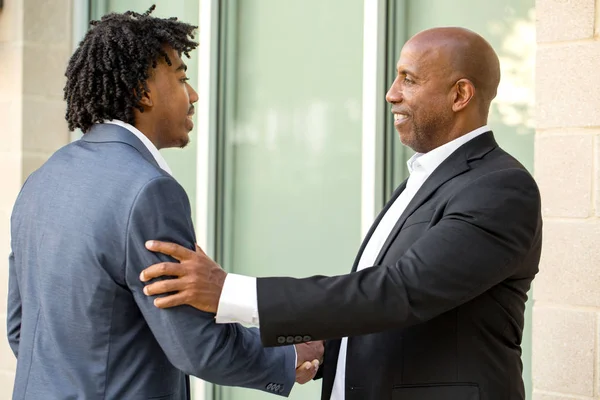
[239, 303]
[162, 163]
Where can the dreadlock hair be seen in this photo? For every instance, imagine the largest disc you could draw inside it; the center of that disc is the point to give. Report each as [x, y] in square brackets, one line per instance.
[107, 74]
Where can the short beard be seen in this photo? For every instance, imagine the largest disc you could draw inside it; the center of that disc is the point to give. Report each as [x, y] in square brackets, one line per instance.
[427, 135]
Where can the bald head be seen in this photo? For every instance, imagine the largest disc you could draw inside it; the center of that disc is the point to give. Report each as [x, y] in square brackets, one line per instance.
[462, 54]
[447, 78]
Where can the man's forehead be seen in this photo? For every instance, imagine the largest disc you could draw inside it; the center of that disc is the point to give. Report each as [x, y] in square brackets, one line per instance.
[175, 59]
[173, 54]
[420, 54]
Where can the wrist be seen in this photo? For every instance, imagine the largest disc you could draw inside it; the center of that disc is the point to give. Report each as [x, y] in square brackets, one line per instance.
[219, 277]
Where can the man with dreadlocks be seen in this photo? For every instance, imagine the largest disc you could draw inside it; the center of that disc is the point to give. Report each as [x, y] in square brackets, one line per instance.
[78, 320]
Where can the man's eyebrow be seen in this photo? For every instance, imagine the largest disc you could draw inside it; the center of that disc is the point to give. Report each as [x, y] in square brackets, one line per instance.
[182, 67]
[405, 71]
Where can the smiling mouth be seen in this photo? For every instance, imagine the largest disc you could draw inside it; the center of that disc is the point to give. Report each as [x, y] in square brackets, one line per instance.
[399, 117]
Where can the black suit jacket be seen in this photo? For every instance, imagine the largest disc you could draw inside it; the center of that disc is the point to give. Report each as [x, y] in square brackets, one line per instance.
[441, 314]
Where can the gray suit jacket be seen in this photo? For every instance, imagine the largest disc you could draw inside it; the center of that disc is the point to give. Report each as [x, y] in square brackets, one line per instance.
[78, 322]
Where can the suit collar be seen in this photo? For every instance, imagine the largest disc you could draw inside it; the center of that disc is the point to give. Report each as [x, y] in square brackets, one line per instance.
[457, 163]
[479, 146]
[162, 163]
[432, 159]
[109, 133]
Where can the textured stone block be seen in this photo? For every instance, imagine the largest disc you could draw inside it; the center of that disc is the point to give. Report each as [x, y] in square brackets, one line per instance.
[3, 299]
[44, 69]
[11, 125]
[11, 77]
[564, 351]
[48, 131]
[7, 380]
[567, 81]
[551, 396]
[563, 170]
[10, 179]
[47, 21]
[564, 19]
[597, 174]
[569, 265]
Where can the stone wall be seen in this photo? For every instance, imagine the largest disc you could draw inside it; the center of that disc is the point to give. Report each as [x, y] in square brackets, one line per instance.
[567, 290]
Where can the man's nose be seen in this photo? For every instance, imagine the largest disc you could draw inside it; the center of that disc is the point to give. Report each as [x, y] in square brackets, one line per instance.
[394, 94]
[193, 95]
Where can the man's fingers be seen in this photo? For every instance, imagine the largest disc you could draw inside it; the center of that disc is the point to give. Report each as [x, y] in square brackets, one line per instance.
[170, 301]
[307, 371]
[171, 249]
[161, 287]
[311, 365]
[161, 269]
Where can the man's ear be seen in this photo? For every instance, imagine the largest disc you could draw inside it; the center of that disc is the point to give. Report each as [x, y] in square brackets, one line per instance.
[464, 91]
[146, 100]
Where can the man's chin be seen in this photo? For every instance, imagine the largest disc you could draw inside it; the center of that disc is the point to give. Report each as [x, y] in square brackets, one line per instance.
[406, 138]
[180, 143]
[184, 142]
[409, 139]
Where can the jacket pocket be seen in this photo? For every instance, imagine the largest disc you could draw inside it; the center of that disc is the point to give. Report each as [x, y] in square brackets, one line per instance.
[442, 391]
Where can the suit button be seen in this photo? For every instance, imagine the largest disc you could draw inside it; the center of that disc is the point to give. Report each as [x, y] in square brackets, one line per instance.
[289, 339]
[281, 339]
[298, 339]
[307, 338]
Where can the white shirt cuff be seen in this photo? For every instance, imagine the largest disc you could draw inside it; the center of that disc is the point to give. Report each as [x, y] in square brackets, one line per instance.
[238, 302]
[296, 362]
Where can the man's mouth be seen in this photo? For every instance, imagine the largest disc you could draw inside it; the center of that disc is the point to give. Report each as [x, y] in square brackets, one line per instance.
[399, 117]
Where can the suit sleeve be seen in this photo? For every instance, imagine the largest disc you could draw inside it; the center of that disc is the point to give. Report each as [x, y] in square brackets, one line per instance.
[13, 319]
[224, 354]
[486, 234]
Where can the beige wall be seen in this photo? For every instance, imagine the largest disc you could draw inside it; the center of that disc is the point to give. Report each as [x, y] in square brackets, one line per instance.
[35, 43]
[566, 356]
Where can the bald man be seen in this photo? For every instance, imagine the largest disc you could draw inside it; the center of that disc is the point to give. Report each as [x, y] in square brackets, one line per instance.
[434, 306]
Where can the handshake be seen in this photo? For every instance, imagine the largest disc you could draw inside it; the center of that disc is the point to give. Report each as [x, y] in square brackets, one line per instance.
[308, 358]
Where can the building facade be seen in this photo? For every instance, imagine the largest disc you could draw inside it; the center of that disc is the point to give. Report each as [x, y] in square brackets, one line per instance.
[292, 130]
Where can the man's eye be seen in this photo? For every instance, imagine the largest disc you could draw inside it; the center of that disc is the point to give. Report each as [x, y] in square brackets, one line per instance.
[184, 80]
[408, 80]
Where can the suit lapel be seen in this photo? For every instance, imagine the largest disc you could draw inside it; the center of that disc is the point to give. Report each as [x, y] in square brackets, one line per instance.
[456, 164]
[106, 133]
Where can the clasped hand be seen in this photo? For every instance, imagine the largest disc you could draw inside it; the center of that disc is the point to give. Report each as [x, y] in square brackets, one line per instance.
[309, 358]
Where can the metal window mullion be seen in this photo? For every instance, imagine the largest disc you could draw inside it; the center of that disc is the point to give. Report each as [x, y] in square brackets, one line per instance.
[206, 149]
[373, 117]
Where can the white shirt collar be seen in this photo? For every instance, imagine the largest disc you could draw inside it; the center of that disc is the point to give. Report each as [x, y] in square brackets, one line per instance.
[162, 163]
[432, 159]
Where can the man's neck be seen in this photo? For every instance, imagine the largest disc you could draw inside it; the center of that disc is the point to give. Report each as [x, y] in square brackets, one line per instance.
[147, 131]
[461, 129]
